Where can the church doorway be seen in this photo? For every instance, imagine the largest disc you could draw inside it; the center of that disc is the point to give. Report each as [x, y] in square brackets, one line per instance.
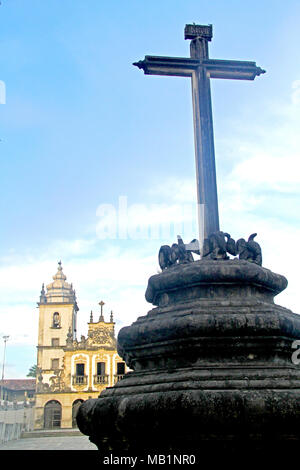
[52, 415]
[75, 407]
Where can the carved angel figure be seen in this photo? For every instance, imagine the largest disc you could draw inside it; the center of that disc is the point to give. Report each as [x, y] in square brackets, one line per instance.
[168, 256]
[216, 246]
[250, 250]
[165, 257]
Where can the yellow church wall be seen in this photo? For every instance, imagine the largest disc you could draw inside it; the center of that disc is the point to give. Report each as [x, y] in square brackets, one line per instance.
[45, 357]
[66, 401]
[74, 391]
[90, 358]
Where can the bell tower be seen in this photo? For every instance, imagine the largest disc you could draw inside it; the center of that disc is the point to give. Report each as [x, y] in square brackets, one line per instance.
[57, 321]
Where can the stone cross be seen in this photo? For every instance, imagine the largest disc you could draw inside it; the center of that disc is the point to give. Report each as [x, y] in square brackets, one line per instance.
[101, 306]
[201, 69]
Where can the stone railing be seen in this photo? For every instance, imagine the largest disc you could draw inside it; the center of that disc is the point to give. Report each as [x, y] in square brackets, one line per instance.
[79, 379]
[101, 379]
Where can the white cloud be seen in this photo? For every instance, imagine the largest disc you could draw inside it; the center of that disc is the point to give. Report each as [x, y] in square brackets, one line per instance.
[263, 167]
[182, 191]
[20, 322]
[148, 221]
[268, 172]
[296, 92]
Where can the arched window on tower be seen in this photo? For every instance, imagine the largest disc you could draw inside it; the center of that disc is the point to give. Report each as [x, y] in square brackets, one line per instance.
[56, 320]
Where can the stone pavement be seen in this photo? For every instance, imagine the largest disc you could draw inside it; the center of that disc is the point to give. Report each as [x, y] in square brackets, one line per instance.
[53, 442]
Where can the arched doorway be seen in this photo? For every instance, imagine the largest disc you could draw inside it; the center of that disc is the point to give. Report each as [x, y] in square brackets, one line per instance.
[75, 407]
[52, 415]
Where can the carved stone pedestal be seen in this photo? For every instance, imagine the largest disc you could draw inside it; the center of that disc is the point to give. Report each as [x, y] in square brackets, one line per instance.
[212, 366]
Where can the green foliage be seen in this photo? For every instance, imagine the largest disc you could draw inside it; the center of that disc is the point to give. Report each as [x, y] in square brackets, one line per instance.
[32, 371]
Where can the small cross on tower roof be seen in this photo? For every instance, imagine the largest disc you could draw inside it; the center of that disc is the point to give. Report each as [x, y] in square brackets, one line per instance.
[101, 303]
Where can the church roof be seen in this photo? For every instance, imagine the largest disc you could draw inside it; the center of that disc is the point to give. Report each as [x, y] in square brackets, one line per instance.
[58, 291]
[18, 384]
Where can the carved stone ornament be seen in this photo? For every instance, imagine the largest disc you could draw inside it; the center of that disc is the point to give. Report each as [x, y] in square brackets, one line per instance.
[177, 253]
[216, 246]
[57, 383]
[100, 336]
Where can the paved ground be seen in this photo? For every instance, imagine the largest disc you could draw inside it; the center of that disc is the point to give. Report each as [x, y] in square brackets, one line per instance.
[50, 443]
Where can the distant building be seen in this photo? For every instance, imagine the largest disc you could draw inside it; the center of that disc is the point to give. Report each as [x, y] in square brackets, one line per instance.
[18, 390]
[70, 371]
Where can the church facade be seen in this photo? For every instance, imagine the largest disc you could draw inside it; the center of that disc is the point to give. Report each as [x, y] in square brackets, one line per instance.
[69, 371]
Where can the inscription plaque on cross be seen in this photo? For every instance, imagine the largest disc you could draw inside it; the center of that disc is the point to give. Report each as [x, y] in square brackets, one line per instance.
[201, 69]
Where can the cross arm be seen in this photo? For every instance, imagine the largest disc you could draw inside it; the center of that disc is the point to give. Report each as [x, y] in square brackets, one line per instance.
[234, 69]
[184, 67]
[157, 65]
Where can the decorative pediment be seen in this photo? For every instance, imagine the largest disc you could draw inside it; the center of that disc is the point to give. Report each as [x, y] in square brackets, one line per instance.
[101, 336]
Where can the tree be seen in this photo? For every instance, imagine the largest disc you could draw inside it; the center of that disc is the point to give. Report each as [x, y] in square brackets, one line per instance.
[32, 371]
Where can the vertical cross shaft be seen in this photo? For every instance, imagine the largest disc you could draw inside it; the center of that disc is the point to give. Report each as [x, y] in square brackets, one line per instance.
[208, 214]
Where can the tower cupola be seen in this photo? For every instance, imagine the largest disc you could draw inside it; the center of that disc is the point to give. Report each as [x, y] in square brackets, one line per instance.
[60, 291]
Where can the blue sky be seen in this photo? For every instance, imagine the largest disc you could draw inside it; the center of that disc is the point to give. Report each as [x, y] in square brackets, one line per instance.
[82, 129]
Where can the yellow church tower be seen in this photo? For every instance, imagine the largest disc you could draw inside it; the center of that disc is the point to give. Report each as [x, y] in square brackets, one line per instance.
[70, 371]
[57, 317]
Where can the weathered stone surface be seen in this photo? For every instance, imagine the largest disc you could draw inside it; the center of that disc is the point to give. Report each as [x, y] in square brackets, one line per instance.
[210, 273]
[211, 362]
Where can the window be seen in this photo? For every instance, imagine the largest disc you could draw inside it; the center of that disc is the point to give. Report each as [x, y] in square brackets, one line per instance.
[54, 363]
[56, 320]
[79, 369]
[101, 377]
[120, 371]
[79, 378]
[55, 342]
[120, 368]
[100, 368]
